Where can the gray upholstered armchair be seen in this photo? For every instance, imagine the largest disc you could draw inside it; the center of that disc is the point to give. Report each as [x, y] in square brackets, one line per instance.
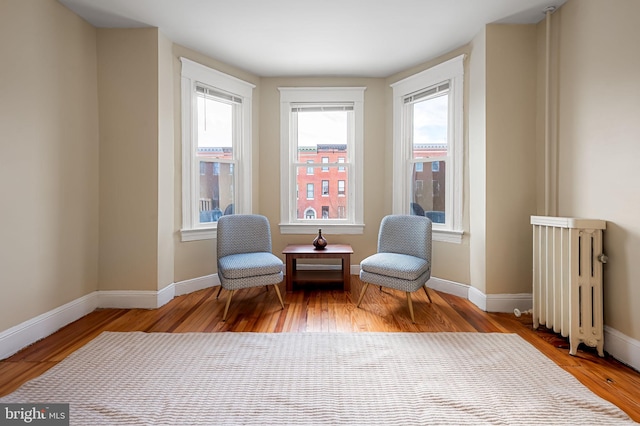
[403, 260]
[244, 255]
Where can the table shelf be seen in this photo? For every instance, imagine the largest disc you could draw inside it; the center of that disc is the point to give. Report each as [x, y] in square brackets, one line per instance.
[294, 252]
[317, 276]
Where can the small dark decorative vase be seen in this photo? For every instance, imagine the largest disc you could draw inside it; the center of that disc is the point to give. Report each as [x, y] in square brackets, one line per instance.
[319, 242]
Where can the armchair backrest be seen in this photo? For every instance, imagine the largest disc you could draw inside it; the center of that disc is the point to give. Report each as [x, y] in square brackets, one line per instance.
[240, 233]
[405, 234]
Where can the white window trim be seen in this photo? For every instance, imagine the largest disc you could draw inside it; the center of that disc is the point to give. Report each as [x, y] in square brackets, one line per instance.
[452, 70]
[290, 95]
[192, 73]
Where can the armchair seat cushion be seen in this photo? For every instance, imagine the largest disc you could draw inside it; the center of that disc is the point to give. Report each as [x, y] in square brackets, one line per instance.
[395, 265]
[245, 265]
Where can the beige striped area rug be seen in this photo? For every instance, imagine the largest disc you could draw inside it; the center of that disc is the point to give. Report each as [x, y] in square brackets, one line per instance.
[315, 378]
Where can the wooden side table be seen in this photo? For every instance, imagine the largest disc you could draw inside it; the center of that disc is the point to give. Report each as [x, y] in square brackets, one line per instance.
[293, 252]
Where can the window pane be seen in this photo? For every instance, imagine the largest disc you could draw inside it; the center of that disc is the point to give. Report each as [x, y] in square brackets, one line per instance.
[326, 193]
[428, 189]
[430, 127]
[321, 132]
[217, 184]
[215, 128]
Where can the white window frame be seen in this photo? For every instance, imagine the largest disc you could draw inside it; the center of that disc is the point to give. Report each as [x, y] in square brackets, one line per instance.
[353, 223]
[193, 73]
[452, 71]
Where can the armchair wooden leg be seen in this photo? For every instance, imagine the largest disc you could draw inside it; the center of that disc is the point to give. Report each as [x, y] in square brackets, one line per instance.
[425, 290]
[226, 308]
[219, 290]
[364, 290]
[279, 295]
[410, 307]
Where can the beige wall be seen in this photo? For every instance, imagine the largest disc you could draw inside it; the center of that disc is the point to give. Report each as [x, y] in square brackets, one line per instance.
[503, 157]
[598, 144]
[166, 152]
[128, 102]
[510, 156]
[48, 159]
[119, 230]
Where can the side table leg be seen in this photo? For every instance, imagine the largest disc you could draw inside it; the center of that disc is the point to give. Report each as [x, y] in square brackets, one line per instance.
[289, 275]
[346, 273]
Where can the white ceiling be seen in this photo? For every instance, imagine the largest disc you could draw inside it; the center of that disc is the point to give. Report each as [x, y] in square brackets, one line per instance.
[365, 38]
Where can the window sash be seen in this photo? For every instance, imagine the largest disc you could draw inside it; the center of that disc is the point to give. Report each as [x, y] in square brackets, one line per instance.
[327, 97]
[408, 129]
[198, 156]
[316, 167]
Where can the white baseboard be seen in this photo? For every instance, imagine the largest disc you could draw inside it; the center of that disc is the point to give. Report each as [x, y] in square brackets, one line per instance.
[140, 299]
[449, 287]
[195, 284]
[135, 299]
[478, 298]
[500, 302]
[30, 331]
[622, 347]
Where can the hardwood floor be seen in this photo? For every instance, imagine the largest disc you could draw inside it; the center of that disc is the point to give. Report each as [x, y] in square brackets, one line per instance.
[327, 310]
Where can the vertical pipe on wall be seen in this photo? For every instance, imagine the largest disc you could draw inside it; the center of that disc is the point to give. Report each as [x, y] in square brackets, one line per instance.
[547, 126]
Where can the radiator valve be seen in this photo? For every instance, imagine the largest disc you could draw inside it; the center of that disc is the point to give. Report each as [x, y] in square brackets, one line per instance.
[518, 313]
[603, 258]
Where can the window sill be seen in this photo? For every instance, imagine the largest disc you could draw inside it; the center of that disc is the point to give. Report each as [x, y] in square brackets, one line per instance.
[198, 234]
[328, 229]
[447, 236]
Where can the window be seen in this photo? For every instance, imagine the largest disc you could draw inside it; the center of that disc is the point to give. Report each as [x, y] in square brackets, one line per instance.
[322, 131]
[427, 130]
[309, 191]
[216, 148]
[325, 188]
